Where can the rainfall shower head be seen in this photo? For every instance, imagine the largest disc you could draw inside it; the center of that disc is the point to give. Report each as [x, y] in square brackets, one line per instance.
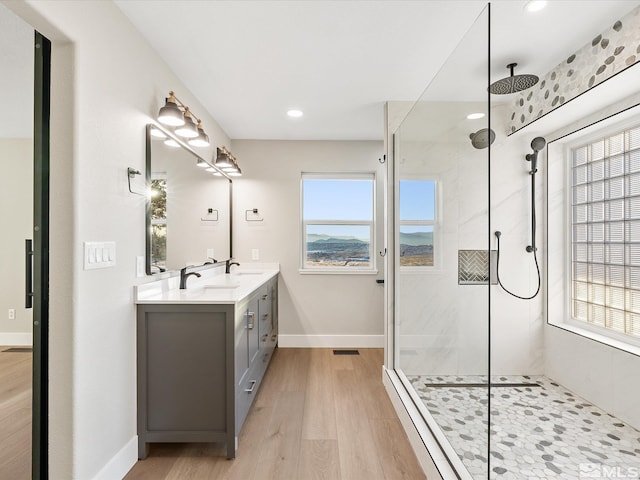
[482, 138]
[513, 83]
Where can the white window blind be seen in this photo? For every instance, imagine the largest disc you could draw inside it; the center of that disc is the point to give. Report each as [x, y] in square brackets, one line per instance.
[605, 240]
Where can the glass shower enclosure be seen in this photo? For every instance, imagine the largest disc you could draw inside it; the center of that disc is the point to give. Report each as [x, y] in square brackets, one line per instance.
[442, 254]
[494, 389]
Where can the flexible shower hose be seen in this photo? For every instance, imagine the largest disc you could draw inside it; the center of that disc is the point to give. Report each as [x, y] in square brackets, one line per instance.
[533, 246]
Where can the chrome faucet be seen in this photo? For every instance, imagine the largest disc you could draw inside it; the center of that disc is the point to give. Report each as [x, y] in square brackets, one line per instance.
[184, 275]
[228, 265]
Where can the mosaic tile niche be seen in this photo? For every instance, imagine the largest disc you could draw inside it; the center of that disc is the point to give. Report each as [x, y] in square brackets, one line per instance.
[607, 54]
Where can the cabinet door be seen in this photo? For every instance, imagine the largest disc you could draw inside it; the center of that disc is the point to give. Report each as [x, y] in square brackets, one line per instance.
[252, 327]
[273, 290]
[241, 350]
[264, 311]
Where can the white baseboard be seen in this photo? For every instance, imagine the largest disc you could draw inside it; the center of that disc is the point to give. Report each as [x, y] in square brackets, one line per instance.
[121, 462]
[331, 341]
[17, 339]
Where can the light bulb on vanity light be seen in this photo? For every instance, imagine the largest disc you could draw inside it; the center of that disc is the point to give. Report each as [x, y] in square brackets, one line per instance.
[202, 140]
[171, 114]
[189, 129]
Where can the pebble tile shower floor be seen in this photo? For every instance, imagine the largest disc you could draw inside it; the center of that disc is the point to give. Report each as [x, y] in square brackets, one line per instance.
[538, 432]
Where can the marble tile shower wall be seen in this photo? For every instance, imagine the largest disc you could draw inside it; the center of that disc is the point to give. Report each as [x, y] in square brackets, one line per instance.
[443, 325]
[607, 54]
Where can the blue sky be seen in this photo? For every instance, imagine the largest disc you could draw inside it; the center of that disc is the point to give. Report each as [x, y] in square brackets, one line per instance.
[350, 199]
[338, 199]
[417, 200]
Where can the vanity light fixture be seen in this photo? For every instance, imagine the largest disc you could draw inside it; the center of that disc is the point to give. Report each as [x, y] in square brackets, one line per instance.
[189, 129]
[475, 116]
[202, 140]
[177, 115]
[295, 113]
[170, 142]
[202, 164]
[171, 114]
[222, 158]
[227, 162]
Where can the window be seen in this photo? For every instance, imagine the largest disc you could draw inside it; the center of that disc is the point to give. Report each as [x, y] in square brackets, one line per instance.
[605, 238]
[417, 222]
[159, 223]
[337, 222]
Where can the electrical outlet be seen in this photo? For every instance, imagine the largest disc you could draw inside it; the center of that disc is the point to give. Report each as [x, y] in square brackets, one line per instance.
[255, 254]
[12, 314]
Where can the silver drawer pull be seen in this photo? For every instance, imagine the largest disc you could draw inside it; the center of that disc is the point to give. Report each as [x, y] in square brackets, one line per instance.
[253, 385]
[265, 316]
[264, 337]
[250, 320]
[264, 297]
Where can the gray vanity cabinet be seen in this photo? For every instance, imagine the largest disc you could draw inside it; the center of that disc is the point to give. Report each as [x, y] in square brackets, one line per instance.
[200, 366]
[259, 318]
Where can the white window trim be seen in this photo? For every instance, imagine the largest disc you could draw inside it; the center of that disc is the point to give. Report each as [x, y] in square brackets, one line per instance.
[372, 270]
[613, 338]
[436, 267]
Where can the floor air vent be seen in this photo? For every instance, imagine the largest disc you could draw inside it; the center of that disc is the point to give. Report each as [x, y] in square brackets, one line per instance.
[18, 349]
[346, 352]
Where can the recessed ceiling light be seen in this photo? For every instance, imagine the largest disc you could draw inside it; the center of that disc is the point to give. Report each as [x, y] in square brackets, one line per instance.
[475, 116]
[535, 5]
[295, 113]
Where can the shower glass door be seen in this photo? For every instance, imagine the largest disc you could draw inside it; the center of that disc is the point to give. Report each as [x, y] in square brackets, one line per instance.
[442, 256]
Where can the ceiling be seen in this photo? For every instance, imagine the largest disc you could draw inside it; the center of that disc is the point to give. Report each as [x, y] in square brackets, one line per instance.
[250, 61]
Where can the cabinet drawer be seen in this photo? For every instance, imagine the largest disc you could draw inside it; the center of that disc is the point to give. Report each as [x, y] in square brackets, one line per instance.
[247, 393]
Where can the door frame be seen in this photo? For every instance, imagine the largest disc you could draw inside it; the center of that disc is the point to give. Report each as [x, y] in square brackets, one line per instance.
[40, 288]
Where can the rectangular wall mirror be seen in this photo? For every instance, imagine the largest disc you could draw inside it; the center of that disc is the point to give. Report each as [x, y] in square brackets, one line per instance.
[188, 210]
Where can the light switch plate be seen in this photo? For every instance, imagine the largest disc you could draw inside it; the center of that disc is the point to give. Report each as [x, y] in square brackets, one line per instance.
[99, 255]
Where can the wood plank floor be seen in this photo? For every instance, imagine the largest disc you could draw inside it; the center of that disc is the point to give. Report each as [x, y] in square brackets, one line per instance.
[317, 416]
[15, 415]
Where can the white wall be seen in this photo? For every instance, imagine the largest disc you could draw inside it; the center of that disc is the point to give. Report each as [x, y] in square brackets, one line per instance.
[16, 216]
[516, 325]
[603, 374]
[317, 309]
[107, 84]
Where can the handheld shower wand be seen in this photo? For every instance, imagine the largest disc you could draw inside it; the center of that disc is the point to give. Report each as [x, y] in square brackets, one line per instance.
[537, 144]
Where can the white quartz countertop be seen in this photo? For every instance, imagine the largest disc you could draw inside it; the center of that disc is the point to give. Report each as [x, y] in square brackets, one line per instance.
[213, 287]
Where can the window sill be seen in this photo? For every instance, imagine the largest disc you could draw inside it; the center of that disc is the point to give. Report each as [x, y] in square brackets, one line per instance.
[332, 271]
[598, 337]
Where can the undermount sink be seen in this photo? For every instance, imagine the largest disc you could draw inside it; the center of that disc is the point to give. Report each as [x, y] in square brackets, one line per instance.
[247, 273]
